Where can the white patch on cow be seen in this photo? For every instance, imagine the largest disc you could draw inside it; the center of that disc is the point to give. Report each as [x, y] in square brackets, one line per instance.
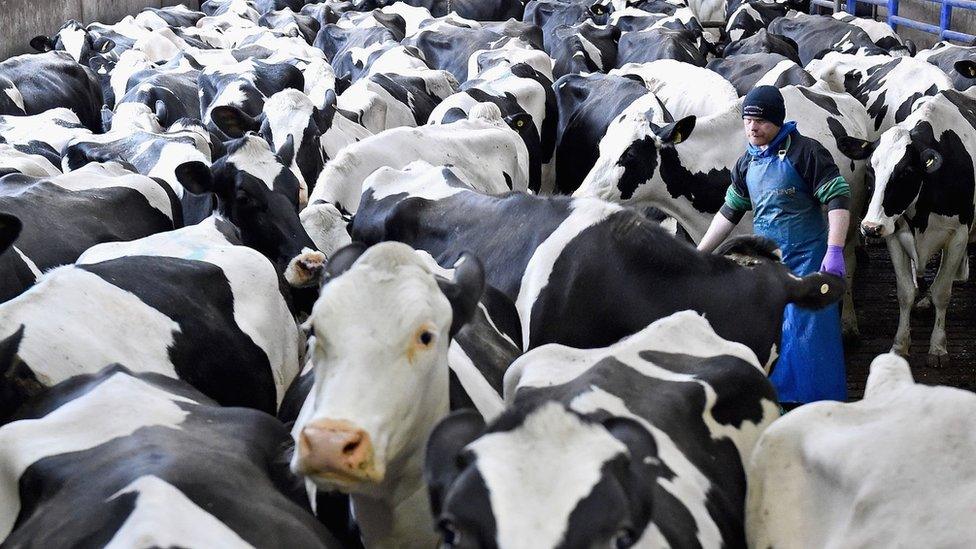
[27, 164]
[56, 127]
[73, 40]
[78, 425]
[60, 346]
[417, 179]
[289, 112]
[30, 264]
[15, 96]
[892, 148]
[174, 153]
[585, 213]
[488, 402]
[670, 225]
[412, 16]
[684, 88]
[256, 158]
[259, 309]
[591, 50]
[165, 517]
[552, 457]
[326, 227]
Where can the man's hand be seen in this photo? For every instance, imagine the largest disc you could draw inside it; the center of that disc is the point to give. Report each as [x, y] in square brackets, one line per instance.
[833, 261]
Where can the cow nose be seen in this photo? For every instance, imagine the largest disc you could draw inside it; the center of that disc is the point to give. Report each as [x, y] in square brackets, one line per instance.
[871, 229]
[337, 447]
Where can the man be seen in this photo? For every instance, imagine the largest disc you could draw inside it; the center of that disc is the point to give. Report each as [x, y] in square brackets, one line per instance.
[786, 179]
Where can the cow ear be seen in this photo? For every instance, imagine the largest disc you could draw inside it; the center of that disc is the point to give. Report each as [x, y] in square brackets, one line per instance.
[814, 291]
[42, 43]
[676, 132]
[465, 290]
[911, 47]
[17, 382]
[162, 113]
[854, 148]
[195, 177]
[104, 45]
[323, 117]
[644, 467]
[342, 260]
[233, 121]
[442, 458]
[287, 151]
[966, 67]
[931, 160]
[10, 228]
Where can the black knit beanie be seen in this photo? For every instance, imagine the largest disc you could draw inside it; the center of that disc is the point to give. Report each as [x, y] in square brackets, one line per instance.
[765, 102]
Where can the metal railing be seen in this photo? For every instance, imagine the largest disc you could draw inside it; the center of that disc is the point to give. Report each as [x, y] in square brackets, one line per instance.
[942, 30]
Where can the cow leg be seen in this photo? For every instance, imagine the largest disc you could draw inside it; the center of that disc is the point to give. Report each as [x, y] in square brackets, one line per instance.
[941, 291]
[906, 294]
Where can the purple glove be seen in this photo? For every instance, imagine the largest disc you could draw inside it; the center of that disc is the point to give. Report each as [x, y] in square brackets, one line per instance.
[833, 261]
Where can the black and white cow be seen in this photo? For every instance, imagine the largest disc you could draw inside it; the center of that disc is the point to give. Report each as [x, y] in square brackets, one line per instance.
[583, 48]
[763, 42]
[479, 10]
[888, 87]
[290, 23]
[53, 128]
[599, 463]
[885, 469]
[350, 50]
[50, 80]
[171, 95]
[945, 56]
[744, 19]
[587, 106]
[64, 215]
[14, 159]
[746, 71]
[351, 434]
[490, 156]
[208, 311]
[551, 14]
[815, 34]
[661, 42]
[924, 201]
[583, 275]
[169, 16]
[123, 459]
[245, 85]
[448, 47]
[74, 39]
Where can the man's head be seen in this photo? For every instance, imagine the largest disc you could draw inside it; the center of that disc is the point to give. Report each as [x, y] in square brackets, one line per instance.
[763, 113]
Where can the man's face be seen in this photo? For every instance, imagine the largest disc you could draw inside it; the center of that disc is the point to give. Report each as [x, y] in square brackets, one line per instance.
[759, 132]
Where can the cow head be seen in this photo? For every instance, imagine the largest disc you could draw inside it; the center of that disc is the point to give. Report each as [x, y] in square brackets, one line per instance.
[901, 159]
[75, 39]
[292, 125]
[259, 194]
[629, 152]
[380, 332]
[543, 478]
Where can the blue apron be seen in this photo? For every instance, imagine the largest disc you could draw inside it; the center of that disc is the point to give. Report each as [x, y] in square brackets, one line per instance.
[811, 362]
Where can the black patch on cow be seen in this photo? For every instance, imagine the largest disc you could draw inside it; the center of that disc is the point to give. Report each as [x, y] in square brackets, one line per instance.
[210, 352]
[705, 191]
[825, 102]
[905, 108]
[950, 189]
[638, 162]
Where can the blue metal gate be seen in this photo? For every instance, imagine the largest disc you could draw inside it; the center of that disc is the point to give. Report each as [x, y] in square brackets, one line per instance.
[942, 30]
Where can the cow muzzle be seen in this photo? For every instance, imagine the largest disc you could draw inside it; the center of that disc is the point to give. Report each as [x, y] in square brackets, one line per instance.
[305, 269]
[337, 452]
[872, 230]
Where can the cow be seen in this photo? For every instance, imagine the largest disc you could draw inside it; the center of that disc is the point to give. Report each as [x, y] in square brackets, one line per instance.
[661, 42]
[814, 34]
[550, 14]
[746, 71]
[641, 443]
[744, 19]
[369, 443]
[687, 178]
[245, 85]
[479, 10]
[169, 16]
[583, 48]
[350, 50]
[885, 470]
[882, 34]
[74, 39]
[491, 157]
[27, 162]
[171, 95]
[923, 202]
[888, 87]
[396, 97]
[291, 24]
[527, 102]
[448, 47]
[208, 310]
[587, 105]
[945, 56]
[119, 458]
[98, 203]
[684, 88]
[54, 127]
[562, 287]
[763, 42]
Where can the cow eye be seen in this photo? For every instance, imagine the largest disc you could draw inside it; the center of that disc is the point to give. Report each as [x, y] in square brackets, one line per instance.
[450, 536]
[625, 537]
[425, 338]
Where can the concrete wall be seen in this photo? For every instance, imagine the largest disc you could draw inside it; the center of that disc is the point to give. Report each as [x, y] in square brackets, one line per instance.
[21, 20]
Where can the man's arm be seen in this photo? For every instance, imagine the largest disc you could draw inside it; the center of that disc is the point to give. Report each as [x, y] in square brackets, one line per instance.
[736, 204]
[717, 232]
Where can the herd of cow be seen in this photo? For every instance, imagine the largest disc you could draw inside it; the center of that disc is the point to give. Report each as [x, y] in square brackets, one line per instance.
[393, 274]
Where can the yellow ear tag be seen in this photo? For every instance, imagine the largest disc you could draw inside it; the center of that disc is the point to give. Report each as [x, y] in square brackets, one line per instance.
[677, 138]
[824, 289]
[929, 162]
[520, 123]
[864, 145]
